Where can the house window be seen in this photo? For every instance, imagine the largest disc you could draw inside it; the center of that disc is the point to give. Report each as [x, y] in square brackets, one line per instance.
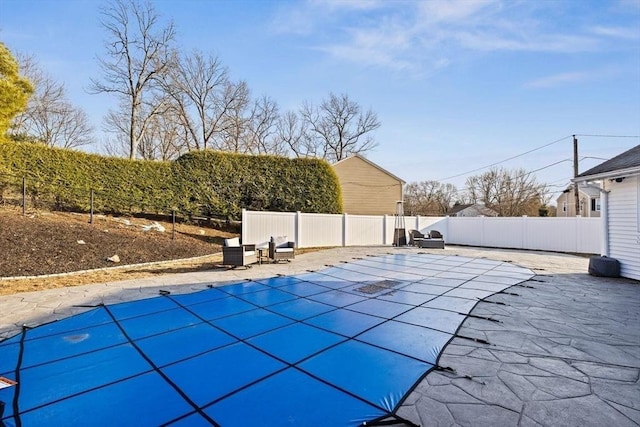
[595, 205]
[564, 206]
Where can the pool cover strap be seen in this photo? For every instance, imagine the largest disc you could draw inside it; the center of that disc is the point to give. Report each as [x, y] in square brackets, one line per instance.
[159, 371]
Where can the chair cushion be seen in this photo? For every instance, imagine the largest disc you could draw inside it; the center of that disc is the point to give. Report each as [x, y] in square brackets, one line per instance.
[281, 250]
[280, 240]
[234, 242]
[435, 234]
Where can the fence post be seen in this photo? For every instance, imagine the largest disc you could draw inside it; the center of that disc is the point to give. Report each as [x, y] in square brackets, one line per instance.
[344, 229]
[296, 232]
[91, 206]
[244, 231]
[24, 196]
[384, 229]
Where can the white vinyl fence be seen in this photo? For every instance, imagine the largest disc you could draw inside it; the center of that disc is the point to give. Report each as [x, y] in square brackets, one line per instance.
[576, 235]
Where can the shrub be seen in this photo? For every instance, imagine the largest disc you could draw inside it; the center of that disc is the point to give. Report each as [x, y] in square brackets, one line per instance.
[204, 183]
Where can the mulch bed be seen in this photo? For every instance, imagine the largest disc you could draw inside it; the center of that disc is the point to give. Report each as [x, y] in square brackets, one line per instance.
[46, 243]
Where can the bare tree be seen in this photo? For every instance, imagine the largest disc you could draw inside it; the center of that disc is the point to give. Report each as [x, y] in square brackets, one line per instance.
[429, 198]
[263, 127]
[339, 128]
[508, 192]
[234, 132]
[199, 86]
[49, 117]
[138, 53]
[165, 138]
[293, 133]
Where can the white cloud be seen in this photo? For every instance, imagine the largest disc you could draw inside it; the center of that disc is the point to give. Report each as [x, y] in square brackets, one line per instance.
[348, 4]
[557, 80]
[617, 32]
[451, 11]
[412, 35]
[543, 43]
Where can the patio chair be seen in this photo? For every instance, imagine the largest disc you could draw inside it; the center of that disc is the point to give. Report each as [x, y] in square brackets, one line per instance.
[434, 240]
[415, 236]
[280, 249]
[236, 254]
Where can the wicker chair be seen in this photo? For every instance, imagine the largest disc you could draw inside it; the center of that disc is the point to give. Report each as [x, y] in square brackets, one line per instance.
[281, 250]
[415, 236]
[435, 240]
[236, 254]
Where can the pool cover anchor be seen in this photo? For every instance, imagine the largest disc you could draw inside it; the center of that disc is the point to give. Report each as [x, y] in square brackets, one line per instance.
[475, 316]
[508, 293]
[88, 305]
[390, 420]
[478, 340]
[452, 371]
[493, 302]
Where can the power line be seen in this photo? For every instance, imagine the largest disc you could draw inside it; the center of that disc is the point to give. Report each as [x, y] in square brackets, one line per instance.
[506, 160]
[610, 136]
[464, 189]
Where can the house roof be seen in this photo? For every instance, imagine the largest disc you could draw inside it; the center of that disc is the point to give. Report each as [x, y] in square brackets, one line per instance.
[627, 163]
[482, 209]
[372, 164]
[593, 191]
[457, 208]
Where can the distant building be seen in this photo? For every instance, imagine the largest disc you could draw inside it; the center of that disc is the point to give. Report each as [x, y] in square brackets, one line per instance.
[471, 210]
[619, 181]
[367, 189]
[589, 196]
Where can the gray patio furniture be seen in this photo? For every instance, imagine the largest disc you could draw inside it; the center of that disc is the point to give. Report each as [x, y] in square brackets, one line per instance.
[415, 236]
[435, 234]
[435, 240]
[281, 250]
[236, 254]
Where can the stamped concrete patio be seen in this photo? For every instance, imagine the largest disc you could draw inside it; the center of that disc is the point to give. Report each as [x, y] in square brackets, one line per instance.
[563, 348]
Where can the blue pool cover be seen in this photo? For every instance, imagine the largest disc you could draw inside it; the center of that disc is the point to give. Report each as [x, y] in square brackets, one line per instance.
[340, 346]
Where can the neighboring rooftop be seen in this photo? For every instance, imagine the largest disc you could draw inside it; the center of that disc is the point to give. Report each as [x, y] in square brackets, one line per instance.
[361, 157]
[588, 189]
[480, 209]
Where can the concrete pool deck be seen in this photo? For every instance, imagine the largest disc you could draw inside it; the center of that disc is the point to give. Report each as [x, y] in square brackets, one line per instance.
[566, 349]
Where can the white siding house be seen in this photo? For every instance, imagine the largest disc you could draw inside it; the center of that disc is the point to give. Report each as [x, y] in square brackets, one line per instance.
[619, 180]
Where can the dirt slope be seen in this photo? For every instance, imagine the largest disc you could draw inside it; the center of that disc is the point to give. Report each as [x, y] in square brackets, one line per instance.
[46, 243]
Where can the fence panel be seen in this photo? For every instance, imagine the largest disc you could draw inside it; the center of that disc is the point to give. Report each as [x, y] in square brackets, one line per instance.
[318, 230]
[258, 227]
[589, 236]
[502, 232]
[363, 230]
[576, 235]
[438, 223]
[559, 234]
[464, 231]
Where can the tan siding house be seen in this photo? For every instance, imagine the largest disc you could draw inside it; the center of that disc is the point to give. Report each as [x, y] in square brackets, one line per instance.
[589, 196]
[367, 189]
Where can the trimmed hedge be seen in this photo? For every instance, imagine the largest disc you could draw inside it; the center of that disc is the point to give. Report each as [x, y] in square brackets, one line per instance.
[217, 183]
[62, 179]
[204, 183]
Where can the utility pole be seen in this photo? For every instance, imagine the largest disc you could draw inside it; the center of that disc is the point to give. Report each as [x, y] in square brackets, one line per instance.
[575, 174]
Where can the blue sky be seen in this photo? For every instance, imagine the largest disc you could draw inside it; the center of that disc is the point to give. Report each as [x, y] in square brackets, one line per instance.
[457, 85]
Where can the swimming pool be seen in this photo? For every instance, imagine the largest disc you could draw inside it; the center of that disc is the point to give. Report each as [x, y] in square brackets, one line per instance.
[339, 346]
